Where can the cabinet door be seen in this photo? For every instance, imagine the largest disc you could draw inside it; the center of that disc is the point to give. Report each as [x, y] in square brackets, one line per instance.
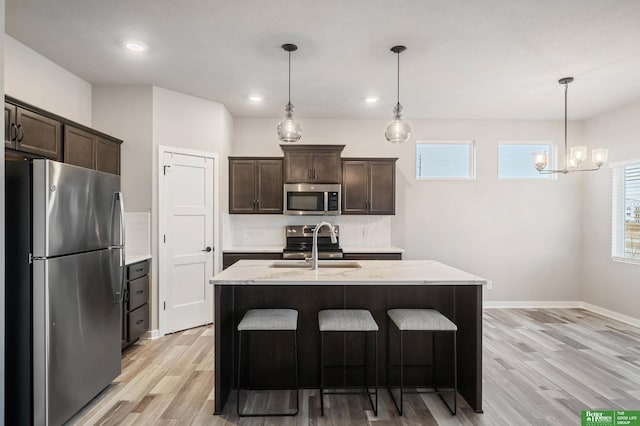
[298, 167]
[355, 188]
[38, 134]
[270, 187]
[10, 125]
[242, 183]
[107, 157]
[326, 167]
[79, 147]
[382, 187]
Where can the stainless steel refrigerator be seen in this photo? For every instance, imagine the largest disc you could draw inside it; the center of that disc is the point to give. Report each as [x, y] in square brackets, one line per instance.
[64, 282]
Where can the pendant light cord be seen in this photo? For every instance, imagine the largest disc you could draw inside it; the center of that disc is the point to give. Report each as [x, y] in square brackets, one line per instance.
[398, 91]
[566, 88]
[289, 77]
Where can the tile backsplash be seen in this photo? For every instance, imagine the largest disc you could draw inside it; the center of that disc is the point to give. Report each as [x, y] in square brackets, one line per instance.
[268, 230]
[137, 233]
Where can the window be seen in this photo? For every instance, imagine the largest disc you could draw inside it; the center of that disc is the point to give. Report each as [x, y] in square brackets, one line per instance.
[515, 160]
[445, 160]
[625, 241]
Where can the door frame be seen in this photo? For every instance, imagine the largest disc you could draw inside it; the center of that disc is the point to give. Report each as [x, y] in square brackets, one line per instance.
[162, 224]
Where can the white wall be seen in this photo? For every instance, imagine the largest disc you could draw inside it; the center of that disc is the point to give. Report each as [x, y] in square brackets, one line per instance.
[525, 236]
[126, 112]
[188, 122]
[34, 79]
[611, 285]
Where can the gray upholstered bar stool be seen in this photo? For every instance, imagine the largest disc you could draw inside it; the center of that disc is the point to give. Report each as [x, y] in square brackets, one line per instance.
[269, 320]
[349, 321]
[429, 320]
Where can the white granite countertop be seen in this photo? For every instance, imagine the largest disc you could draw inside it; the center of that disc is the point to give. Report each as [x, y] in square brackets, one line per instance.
[346, 249]
[372, 249]
[135, 258]
[371, 272]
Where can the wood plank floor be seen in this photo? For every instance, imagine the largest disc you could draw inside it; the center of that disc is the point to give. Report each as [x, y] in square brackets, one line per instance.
[541, 367]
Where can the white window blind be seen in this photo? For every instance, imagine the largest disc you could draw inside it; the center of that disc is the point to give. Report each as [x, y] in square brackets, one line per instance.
[445, 160]
[515, 160]
[625, 240]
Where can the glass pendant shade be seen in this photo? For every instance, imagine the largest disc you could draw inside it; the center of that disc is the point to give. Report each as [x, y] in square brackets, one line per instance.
[572, 164]
[398, 130]
[579, 153]
[540, 160]
[599, 156]
[289, 130]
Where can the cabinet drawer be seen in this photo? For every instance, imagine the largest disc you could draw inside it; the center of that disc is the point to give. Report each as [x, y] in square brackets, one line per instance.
[137, 270]
[138, 322]
[138, 292]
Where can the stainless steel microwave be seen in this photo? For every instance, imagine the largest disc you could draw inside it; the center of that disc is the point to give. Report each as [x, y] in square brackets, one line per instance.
[312, 199]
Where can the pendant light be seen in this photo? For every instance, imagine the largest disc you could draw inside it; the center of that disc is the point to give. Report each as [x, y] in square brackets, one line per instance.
[289, 130]
[574, 158]
[398, 130]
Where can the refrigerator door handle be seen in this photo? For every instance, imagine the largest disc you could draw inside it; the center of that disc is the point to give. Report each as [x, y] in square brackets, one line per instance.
[120, 199]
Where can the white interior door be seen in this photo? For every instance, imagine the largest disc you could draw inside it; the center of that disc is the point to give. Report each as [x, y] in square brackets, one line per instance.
[188, 240]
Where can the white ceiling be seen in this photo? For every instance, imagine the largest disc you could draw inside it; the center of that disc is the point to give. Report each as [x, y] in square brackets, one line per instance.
[484, 59]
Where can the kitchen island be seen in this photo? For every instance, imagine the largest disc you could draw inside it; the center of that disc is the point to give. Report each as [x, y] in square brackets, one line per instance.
[373, 285]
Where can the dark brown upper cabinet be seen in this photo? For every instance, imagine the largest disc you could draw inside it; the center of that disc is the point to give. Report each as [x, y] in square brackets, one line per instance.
[255, 185]
[10, 126]
[369, 186]
[87, 149]
[312, 163]
[32, 133]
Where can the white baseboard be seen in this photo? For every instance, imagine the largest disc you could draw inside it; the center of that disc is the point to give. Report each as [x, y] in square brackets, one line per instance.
[151, 335]
[611, 314]
[538, 304]
[530, 304]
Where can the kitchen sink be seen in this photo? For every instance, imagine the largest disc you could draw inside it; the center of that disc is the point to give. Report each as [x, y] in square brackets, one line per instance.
[337, 264]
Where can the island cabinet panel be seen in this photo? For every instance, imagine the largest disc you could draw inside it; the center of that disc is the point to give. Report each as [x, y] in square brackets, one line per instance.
[270, 354]
[37, 134]
[369, 186]
[312, 163]
[255, 185]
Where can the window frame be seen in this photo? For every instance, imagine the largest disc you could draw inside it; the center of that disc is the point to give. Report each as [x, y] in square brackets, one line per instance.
[472, 158]
[618, 207]
[552, 160]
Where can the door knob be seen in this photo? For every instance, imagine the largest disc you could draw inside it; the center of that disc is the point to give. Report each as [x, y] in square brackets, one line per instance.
[208, 249]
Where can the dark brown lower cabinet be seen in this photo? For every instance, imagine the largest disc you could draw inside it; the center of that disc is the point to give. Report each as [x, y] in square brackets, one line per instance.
[135, 304]
[230, 258]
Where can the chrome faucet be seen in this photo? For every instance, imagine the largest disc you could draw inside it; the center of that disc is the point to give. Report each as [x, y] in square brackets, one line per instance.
[314, 250]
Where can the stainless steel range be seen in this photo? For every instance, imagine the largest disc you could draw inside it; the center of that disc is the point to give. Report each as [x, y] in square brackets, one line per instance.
[300, 242]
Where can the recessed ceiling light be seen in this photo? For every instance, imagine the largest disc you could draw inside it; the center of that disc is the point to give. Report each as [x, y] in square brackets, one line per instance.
[135, 46]
[371, 99]
[255, 98]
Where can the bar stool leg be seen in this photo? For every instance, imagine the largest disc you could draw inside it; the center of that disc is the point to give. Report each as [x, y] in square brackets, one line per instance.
[239, 372]
[321, 373]
[295, 343]
[375, 365]
[401, 371]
